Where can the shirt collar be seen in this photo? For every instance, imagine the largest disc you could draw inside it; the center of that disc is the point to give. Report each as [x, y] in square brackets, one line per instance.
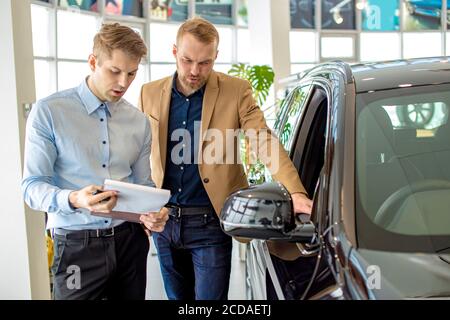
[90, 101]
[200, 91]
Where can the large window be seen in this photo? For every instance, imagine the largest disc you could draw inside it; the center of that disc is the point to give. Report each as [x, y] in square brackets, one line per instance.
[75, 43]
[338, 15]
[63, 32]
[302, 14]
[416, 45]
[380, 15]
[174, 10]
[366, 30]
[447, 51]
[124, 7]
[90, 5]
[216, 11]
[370, 43]
[337, 47]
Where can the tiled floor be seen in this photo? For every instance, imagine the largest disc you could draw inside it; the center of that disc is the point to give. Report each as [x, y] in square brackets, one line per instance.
[155, 288]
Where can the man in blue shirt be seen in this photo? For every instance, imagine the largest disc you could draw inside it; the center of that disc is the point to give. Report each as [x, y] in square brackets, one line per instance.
[75, 139]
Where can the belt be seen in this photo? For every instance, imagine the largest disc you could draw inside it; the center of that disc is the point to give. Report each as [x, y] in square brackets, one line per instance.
[176, 211]
[98, 233]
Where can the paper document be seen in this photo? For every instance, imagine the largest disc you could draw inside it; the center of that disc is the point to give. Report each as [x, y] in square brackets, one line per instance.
[136, 198]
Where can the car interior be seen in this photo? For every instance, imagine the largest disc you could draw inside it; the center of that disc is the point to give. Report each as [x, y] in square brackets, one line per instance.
[412, 166]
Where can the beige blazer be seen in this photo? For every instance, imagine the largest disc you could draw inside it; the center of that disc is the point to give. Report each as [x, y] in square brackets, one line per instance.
[227, 104]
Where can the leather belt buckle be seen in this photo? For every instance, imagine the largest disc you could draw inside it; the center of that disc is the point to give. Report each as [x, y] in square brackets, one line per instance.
[174, 211]
[105, 233]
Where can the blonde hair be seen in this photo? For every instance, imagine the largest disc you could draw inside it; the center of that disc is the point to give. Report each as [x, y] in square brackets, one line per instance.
[115, 36]
[201, 29]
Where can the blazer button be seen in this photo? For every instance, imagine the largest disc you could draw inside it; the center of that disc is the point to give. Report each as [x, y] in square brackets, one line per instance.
[206, 180]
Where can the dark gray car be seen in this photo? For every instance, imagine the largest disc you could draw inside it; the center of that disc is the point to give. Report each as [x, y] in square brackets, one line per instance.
[380, 227]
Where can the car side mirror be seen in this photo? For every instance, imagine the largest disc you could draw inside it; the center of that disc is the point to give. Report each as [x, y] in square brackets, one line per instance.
[264, 212]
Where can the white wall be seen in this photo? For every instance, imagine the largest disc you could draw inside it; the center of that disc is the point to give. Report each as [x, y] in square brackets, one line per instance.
[23, 261]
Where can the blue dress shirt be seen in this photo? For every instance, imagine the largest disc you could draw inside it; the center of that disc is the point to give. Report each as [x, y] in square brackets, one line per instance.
[181, 175]
[73, 140]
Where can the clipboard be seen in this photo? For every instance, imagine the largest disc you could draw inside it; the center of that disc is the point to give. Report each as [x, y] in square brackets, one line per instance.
[133, 200]
[121, 215]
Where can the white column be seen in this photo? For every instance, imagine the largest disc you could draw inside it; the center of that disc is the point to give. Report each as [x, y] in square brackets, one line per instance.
[269, 26]
[23, 257]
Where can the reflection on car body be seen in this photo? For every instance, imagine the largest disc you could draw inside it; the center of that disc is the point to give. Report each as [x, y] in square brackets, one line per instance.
[380, 227]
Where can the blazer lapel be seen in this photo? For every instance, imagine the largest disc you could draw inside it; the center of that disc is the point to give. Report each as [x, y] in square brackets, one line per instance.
[209, 102]
[164, 120]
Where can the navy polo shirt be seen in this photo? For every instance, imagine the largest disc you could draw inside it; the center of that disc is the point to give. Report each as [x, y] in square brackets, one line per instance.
[181, 173]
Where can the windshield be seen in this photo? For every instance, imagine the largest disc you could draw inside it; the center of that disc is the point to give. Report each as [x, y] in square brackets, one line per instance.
[403, 167]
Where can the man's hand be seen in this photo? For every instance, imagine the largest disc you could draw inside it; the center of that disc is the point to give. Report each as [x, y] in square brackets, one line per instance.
[155, 221]
[87, 199]
[301, 203]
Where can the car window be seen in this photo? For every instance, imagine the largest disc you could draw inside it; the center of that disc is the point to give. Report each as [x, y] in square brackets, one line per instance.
[309, 149]
[402, 160]
[289, 113]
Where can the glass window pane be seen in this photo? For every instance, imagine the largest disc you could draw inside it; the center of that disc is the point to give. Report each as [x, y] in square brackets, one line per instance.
[163, 10]
[75, 34]
[178, 10]
[421, 15]
[380, 15]
[447, 52]
[300, 67]
[302, 14]
[302, 46]
[158, 71]
[338, 14]
[90, 5]
[448, 15]
[222, 67]
[243, 45]
[44, 78]
[337, 47]
[430, 45]
[162, 39]
[372, 42]
[40, 21]
[124, 7]
[133, 92]
[215, 11]
[242, 13]
[290, 110]
[70, 74]
[225, 45]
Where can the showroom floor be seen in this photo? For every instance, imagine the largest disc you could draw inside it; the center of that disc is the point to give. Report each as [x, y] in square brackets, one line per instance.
[155, 289]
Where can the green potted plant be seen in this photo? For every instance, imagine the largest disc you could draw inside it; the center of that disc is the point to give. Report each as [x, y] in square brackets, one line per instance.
[261, 78]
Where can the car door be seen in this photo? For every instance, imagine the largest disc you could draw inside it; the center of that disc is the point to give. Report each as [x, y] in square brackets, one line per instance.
[258, 259]
[302, 131]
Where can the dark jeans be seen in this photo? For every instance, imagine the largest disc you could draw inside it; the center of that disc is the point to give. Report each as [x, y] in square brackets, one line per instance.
[195, 258]
[111, 267]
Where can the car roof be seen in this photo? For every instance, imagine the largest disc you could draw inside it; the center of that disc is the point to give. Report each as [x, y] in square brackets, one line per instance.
[401, 73]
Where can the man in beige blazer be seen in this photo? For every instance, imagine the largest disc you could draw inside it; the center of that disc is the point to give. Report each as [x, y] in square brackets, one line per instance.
[190, 112]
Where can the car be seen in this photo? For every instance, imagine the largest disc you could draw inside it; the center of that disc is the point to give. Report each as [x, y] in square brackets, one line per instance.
[427, 8]
[380, 222]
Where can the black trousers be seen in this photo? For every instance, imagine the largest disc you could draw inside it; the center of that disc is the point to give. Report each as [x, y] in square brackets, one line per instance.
[88, 265]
